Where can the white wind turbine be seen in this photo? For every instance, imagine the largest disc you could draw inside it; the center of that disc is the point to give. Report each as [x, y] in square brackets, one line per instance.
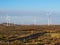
[8, 20]
[22, 21]
[49, 18]
[35, 20]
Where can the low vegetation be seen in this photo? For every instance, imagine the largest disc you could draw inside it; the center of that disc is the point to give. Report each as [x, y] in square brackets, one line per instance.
[29, 35]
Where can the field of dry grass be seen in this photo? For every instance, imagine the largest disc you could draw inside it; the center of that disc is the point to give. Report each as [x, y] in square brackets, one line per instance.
[30, 35]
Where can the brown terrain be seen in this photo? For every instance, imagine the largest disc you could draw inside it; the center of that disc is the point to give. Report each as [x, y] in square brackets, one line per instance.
[29, 34]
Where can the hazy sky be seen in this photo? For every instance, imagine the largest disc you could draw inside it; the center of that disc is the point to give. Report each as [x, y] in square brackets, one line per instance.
[30, 11]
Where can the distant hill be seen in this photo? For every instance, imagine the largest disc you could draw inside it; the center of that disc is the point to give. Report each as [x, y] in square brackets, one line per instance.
[8, 24]
[29, 27]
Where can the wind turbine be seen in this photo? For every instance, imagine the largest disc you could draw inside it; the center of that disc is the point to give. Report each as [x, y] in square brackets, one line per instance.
[34, 20]
[49, 18]
[8, 20]
[1, 18]
[22, 21]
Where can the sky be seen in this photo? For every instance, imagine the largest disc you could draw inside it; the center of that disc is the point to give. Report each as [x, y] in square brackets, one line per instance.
[30, 11]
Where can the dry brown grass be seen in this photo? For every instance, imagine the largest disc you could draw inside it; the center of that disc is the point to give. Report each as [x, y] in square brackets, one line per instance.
[11, 32]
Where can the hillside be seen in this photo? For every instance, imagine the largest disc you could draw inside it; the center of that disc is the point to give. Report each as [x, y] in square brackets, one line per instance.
[29, 34]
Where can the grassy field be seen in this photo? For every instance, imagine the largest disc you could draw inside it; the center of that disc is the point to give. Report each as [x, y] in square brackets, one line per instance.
[29, 35]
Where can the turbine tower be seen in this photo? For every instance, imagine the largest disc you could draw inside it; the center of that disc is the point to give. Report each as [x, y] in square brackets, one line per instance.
[8, 20]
